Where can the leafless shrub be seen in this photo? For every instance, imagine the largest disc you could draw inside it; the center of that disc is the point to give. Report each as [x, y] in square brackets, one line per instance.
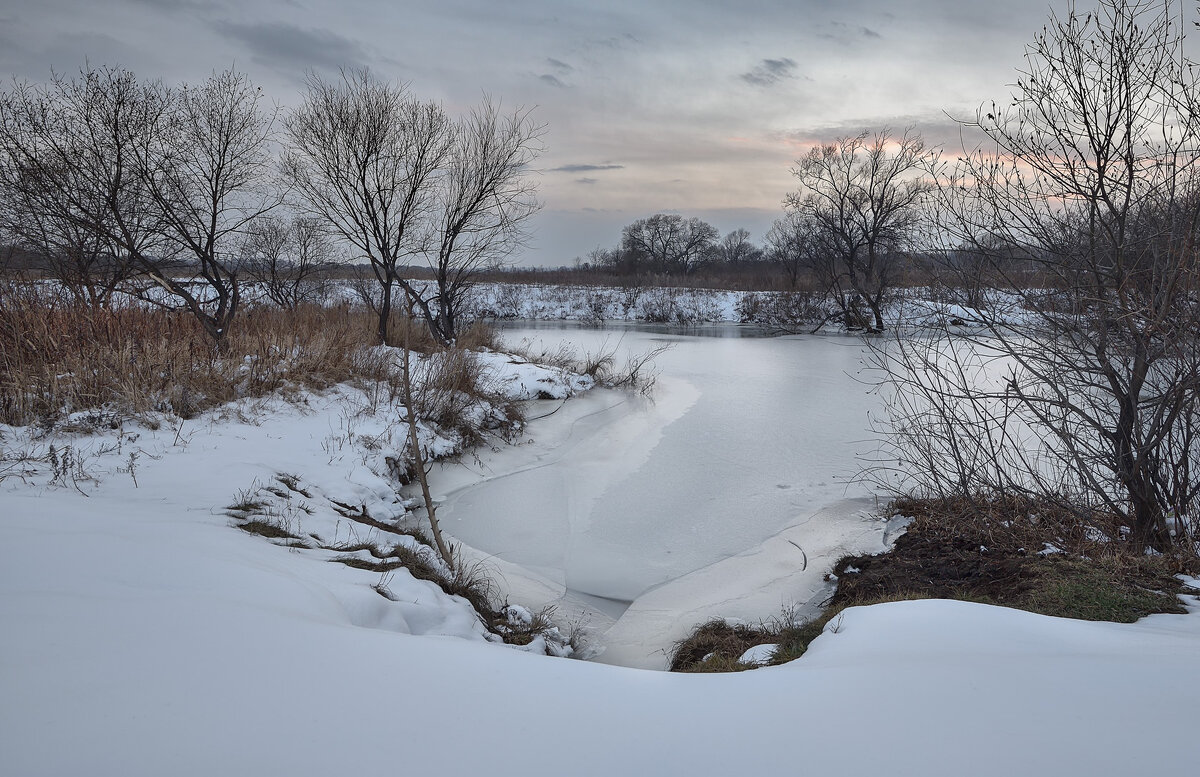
[788, 312]
[291, 260]
[1085, 388]
[657, 306]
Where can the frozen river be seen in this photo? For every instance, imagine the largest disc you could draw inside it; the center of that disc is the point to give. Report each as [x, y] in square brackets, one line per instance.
[729, 492]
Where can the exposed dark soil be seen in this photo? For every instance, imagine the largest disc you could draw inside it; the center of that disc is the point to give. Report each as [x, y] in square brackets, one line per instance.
[268, 530]
[985, 558]
[937, 565]
[978, 551]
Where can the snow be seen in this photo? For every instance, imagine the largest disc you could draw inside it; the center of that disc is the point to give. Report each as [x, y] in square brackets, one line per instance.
[758, 655]
[518, 379]
[143, 635]
[727, 493]
[173, 645]
[605, 303]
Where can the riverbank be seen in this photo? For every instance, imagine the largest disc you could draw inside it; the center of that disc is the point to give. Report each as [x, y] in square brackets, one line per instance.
[315, 472]
[1013, 552]
[146, 643]
[148, 635]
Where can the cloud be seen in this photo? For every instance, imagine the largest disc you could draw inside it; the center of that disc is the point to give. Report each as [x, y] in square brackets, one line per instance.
[770, 72]
[585, 168]
[178, 5]
[622, 42]
[588, 181]
[562, 69]
[843, 33]
[938, 130]
[287, 46]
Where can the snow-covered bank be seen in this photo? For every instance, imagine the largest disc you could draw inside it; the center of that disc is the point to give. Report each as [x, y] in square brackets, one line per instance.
[153, 641]
[606, 303]
[144, 635]
[316, 474]
[775, 311]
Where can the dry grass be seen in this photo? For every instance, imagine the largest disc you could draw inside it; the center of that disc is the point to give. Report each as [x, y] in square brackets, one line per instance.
[57, 358]
[448, 383]
[979, 550]
[1015, 553]
[715, 646]
[266, 529]
[638, 372]
[1024, 525]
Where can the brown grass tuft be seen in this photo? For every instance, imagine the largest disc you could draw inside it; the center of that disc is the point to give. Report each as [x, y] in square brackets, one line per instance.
[715, 646]
[57, 358]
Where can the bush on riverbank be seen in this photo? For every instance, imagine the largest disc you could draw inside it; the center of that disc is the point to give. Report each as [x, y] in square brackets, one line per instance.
[1010, 552]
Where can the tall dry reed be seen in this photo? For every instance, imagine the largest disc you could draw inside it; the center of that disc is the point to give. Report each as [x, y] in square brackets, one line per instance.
[57, 358]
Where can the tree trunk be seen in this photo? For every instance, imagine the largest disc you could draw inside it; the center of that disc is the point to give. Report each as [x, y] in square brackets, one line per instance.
[414, 442]
[445, 329]
[877, 312]
[385, 312]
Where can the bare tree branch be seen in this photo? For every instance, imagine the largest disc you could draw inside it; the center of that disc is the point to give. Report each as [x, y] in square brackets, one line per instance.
[1085, 209]
[364, 159]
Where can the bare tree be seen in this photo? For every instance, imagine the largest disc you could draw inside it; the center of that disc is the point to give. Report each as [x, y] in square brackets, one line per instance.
[669, 242]
[207, 171]
[88, 266]
[71, 188]
[364, 158]
[736, 248]
[291, 259]
[791, 243]
[1085, 207]
[163, 177]
[485, 200]
[863, 193]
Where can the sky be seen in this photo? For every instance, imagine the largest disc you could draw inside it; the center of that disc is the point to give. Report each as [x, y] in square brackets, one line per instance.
[694, 107]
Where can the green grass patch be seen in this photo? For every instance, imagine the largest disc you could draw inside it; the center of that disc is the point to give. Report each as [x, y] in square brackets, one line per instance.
[1098, 591]
[953, 550]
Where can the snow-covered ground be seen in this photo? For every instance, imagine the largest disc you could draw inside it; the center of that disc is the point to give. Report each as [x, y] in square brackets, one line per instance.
[774, 311]
[144, 635]
[908, 307]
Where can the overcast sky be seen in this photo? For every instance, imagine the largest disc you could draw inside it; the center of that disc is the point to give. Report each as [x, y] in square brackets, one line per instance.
[692, 106]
